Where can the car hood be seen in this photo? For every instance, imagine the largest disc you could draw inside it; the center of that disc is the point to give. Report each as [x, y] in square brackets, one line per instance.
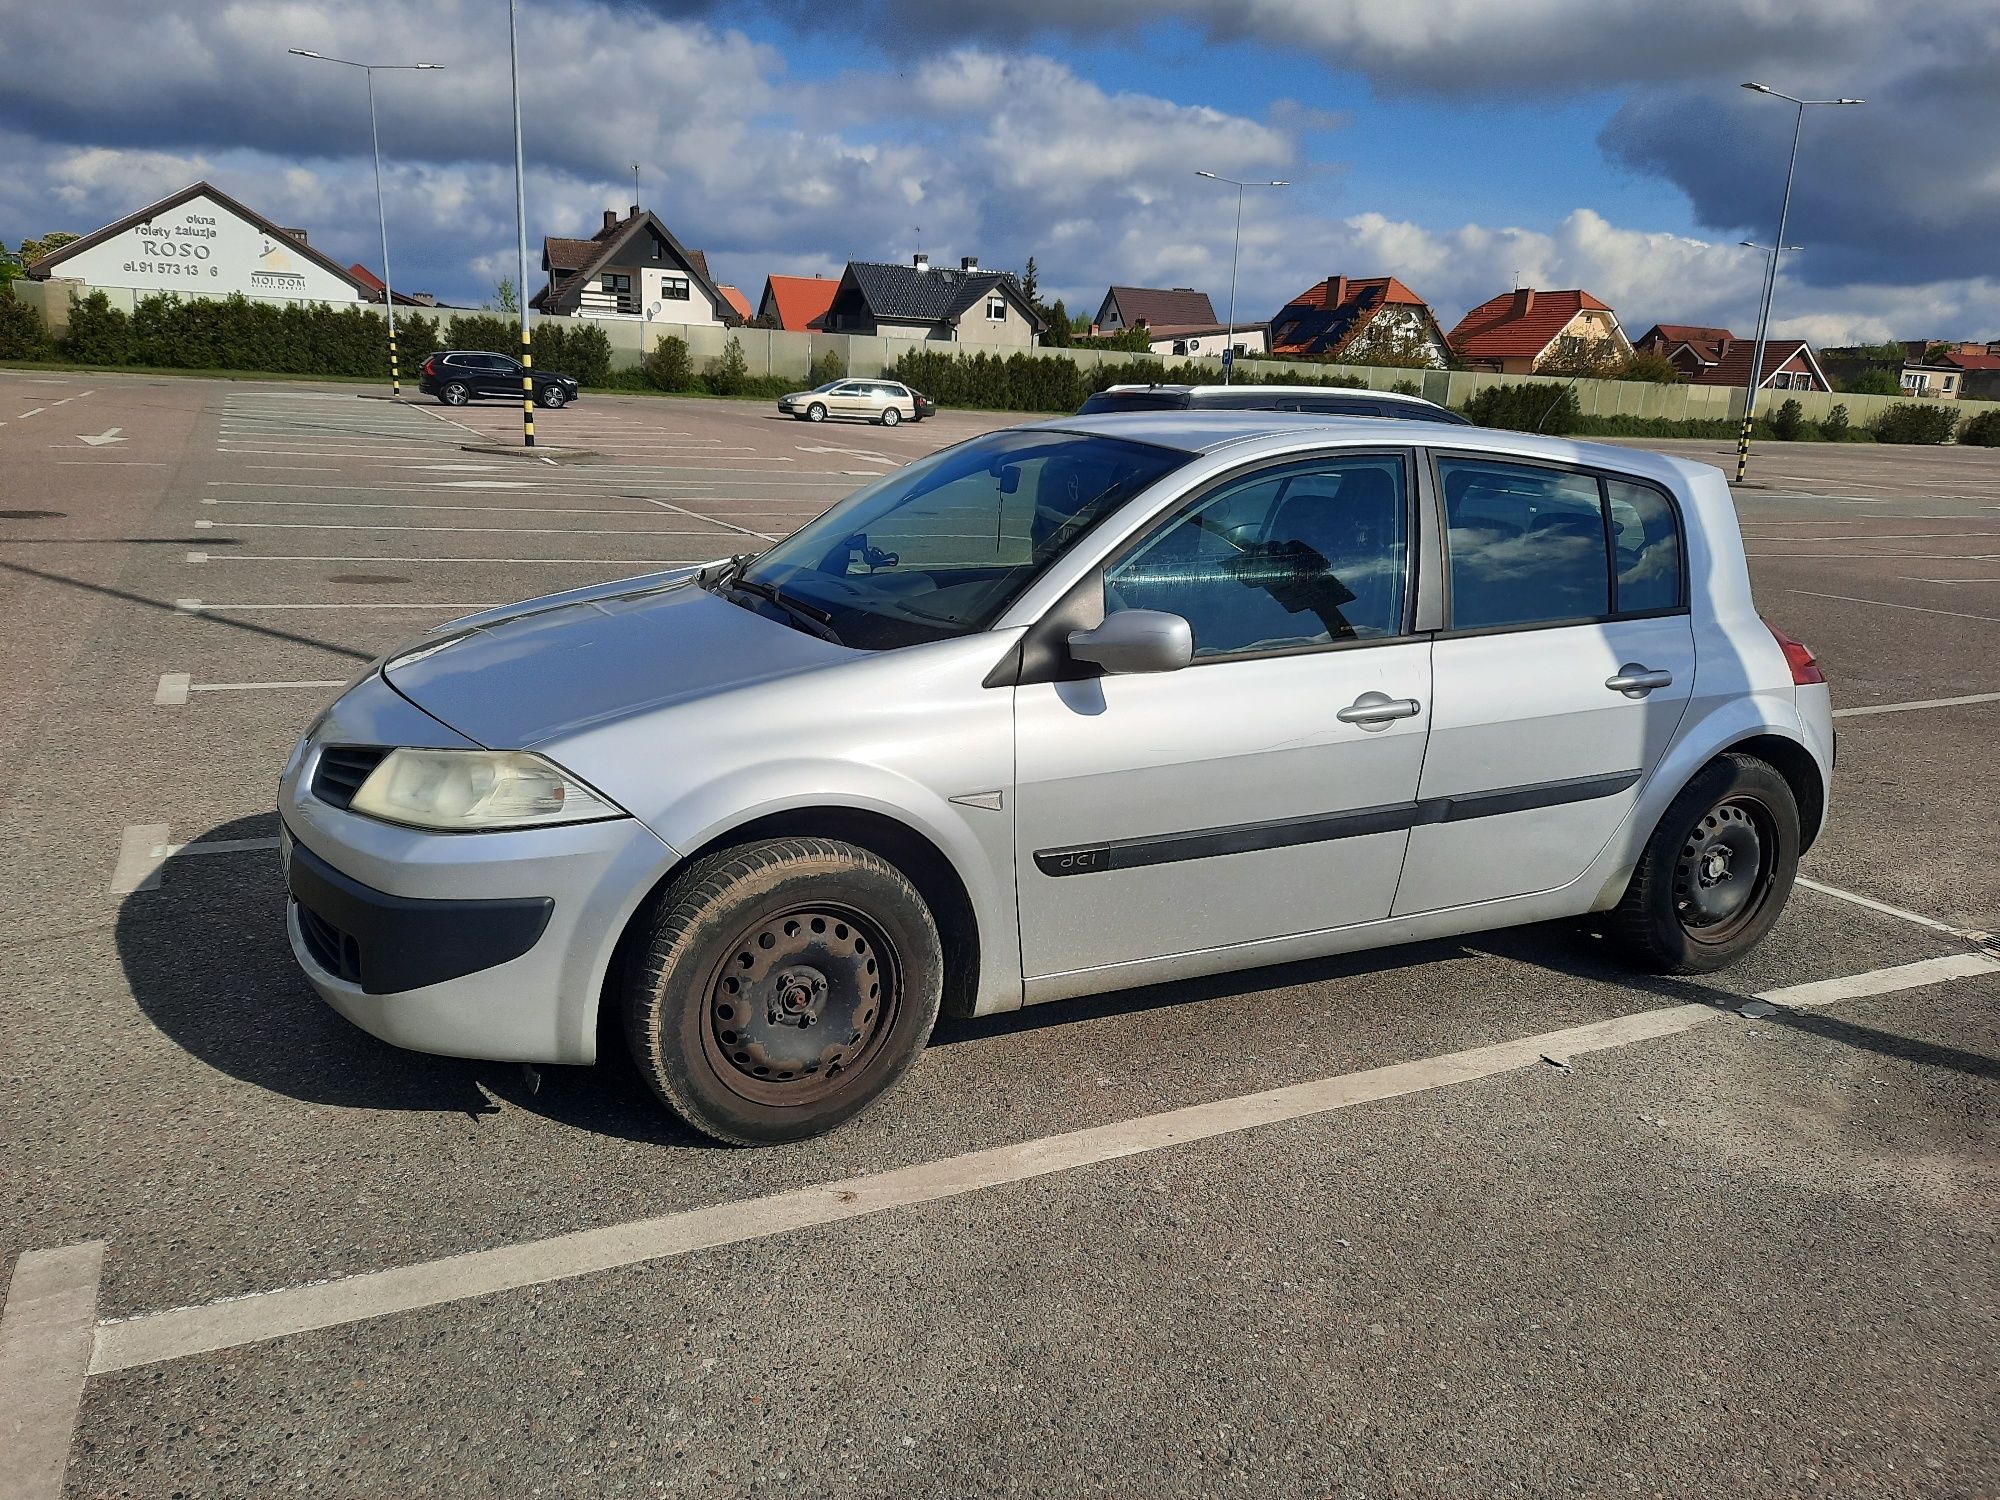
[554, 668]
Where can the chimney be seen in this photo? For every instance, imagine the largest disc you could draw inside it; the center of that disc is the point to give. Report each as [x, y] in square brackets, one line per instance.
[921, 261]
[1722, 349]
[1524, 301]
[634, 213]
[968, 263]
[610, 221]
[1338, 291]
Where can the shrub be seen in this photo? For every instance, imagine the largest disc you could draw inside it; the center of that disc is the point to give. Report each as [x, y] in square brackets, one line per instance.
[1983, 431]
[1833, 426]
[1655, 369]
[23, 335]
[1788, 421]
[730, 372]
[1916, 422]
[1407, 388]
[580, 349]
[828, 364]
[99, 334]
[670, 367]
[1526, 407]
[1875, 383]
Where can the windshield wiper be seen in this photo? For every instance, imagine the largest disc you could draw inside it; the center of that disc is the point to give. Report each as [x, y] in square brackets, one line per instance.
[810, 618]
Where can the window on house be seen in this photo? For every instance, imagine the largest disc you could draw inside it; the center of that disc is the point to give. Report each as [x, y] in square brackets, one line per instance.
[996, 309]
[674, 288]
[1180, 346]
[617, 286]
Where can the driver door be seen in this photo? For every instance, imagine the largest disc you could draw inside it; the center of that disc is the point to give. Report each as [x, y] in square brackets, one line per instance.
[1268, 788]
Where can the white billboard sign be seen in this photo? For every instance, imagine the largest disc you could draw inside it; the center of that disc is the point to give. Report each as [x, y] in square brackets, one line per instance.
[201, 246]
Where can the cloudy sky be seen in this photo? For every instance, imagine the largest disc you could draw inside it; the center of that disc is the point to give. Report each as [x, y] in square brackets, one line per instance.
[1464, 145]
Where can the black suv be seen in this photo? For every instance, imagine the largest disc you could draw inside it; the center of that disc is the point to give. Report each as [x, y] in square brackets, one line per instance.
[457, 376]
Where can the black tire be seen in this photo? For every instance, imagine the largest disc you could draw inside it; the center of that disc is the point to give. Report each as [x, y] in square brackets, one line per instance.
[760, 967]
[890, 416]
[457, 393]
[815, 413]
[1715, 874]
[551, 396]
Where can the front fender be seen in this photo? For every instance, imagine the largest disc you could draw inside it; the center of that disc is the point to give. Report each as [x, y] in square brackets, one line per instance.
[978, 842]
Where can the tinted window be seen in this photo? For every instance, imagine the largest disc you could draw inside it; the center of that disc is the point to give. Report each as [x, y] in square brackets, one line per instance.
[941, 547]
[1133, 401]
[1648, 539]
[1332, 406]
[1526, 545]
[1307, 555]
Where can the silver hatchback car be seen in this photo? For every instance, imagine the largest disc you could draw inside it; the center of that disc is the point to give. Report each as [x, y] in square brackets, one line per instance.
[1064, 708]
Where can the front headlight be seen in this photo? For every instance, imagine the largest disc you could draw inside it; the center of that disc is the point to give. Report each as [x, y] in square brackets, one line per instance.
[465, 791]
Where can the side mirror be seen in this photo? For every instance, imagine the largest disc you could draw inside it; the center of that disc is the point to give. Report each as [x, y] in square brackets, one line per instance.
[1136, 640]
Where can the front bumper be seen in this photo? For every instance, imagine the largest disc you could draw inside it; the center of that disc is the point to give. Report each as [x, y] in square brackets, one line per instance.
[489, 945]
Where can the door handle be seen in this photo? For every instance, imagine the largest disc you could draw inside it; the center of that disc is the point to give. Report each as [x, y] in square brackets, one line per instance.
[1375, 710]
[1635, 680]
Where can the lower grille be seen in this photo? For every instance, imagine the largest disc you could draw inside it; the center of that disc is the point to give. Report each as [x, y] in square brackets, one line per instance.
[332, 949]
[342, 770]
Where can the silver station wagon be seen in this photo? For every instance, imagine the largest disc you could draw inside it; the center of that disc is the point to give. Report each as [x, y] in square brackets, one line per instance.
[1067, 707]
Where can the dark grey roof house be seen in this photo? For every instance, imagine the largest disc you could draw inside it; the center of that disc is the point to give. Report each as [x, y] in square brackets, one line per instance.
[966, 306]
[631, 268]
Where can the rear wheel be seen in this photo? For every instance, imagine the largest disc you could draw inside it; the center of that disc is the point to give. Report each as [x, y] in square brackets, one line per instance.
[782, 988]
[455, 393]
[890, 417]
[1716, 873]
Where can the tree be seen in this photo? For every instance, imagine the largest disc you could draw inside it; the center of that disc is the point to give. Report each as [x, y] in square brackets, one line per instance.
[10, 267]
[730, 373]
[504, 296]
[48, 244]
[1060, 330]
[1788, 421]
[1596, 359]
[1876, 382]
[1400, 346]
[1031, 284]
[1655, 369]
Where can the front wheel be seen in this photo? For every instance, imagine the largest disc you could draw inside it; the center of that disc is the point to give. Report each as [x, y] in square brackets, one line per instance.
[551, 396]
[455, 394]
[781, 988]
[891, 417]
[1716, 873]
[815, 413]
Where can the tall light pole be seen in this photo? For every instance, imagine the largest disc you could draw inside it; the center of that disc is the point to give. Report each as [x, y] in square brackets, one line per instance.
[521, 241]
[381, 213]
[1229, 339]
[1771, 271]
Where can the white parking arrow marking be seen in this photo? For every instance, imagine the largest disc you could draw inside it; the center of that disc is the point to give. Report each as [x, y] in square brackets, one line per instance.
[109, 435]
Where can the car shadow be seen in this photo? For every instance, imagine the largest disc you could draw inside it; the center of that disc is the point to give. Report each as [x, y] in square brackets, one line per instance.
[208, 962]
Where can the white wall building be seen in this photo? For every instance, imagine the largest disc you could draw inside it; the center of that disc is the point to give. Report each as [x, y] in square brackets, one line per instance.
[201, 240]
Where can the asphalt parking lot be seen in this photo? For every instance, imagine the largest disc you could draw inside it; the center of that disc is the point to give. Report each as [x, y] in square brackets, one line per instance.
[1488, 1217]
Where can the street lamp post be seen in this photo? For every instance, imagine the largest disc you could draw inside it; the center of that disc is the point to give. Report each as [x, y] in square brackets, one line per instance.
[521, 240]
[1771, 271]
[381, 213]
[1229, 338]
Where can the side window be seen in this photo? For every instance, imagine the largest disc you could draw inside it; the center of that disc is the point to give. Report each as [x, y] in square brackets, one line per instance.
[1648, 539]
[1526, 545]
[1303, 556]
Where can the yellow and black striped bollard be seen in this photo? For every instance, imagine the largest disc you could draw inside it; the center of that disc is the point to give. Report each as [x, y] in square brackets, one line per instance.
[527, 391]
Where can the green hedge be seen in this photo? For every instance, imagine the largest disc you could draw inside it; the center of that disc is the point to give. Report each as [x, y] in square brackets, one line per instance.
[165, 332]
[1053, 383]
[1983, 431]
[1526, 408]
[22, 333]
[1915, 422]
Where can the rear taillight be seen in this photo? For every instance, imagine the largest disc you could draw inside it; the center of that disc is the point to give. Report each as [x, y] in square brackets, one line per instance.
[1798, 656]
[431, 365]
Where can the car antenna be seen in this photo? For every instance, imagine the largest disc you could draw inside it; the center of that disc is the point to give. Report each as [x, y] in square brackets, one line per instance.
[1567, 388]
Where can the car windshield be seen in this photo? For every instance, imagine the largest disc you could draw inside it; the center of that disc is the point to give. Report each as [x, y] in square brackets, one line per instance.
[831, 385]
[941, 548]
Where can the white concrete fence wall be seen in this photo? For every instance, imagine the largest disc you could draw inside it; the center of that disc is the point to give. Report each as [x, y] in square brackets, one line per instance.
[769, 351]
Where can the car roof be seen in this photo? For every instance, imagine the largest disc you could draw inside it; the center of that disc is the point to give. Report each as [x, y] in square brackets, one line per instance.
[1256, 433]
[1362, 392]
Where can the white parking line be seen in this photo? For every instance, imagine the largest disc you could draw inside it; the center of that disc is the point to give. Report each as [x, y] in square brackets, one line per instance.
[651, 562]
[1889, 911]
[712, 520]
[175, 686]
[1904, 708]
[143, 849]
[233, 525]
[179, 1332]
[205, 607]
[501, 510]
[1885, 604]
[46, 1333]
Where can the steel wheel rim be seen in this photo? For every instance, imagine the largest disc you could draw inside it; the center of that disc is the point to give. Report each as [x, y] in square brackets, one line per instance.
[798, 1019]
[1723, 873]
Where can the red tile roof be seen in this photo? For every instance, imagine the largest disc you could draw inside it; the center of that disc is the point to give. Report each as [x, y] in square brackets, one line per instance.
[1330, 315]
[1974, 361]
[569, 255]
[1519, 324]
[736, 300]
[1686, 333]
[800, 300]
[1339, 291]
[1156, 307]
[1733, 367]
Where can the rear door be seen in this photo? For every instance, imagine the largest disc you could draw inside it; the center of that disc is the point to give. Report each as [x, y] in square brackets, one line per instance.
[1559, 681]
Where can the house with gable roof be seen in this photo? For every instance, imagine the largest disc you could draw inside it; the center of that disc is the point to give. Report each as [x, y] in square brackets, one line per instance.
[796, 303]
[1525, 330]
[1348, 318]
[1179, 321]
[632, 267]
[919, 301]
